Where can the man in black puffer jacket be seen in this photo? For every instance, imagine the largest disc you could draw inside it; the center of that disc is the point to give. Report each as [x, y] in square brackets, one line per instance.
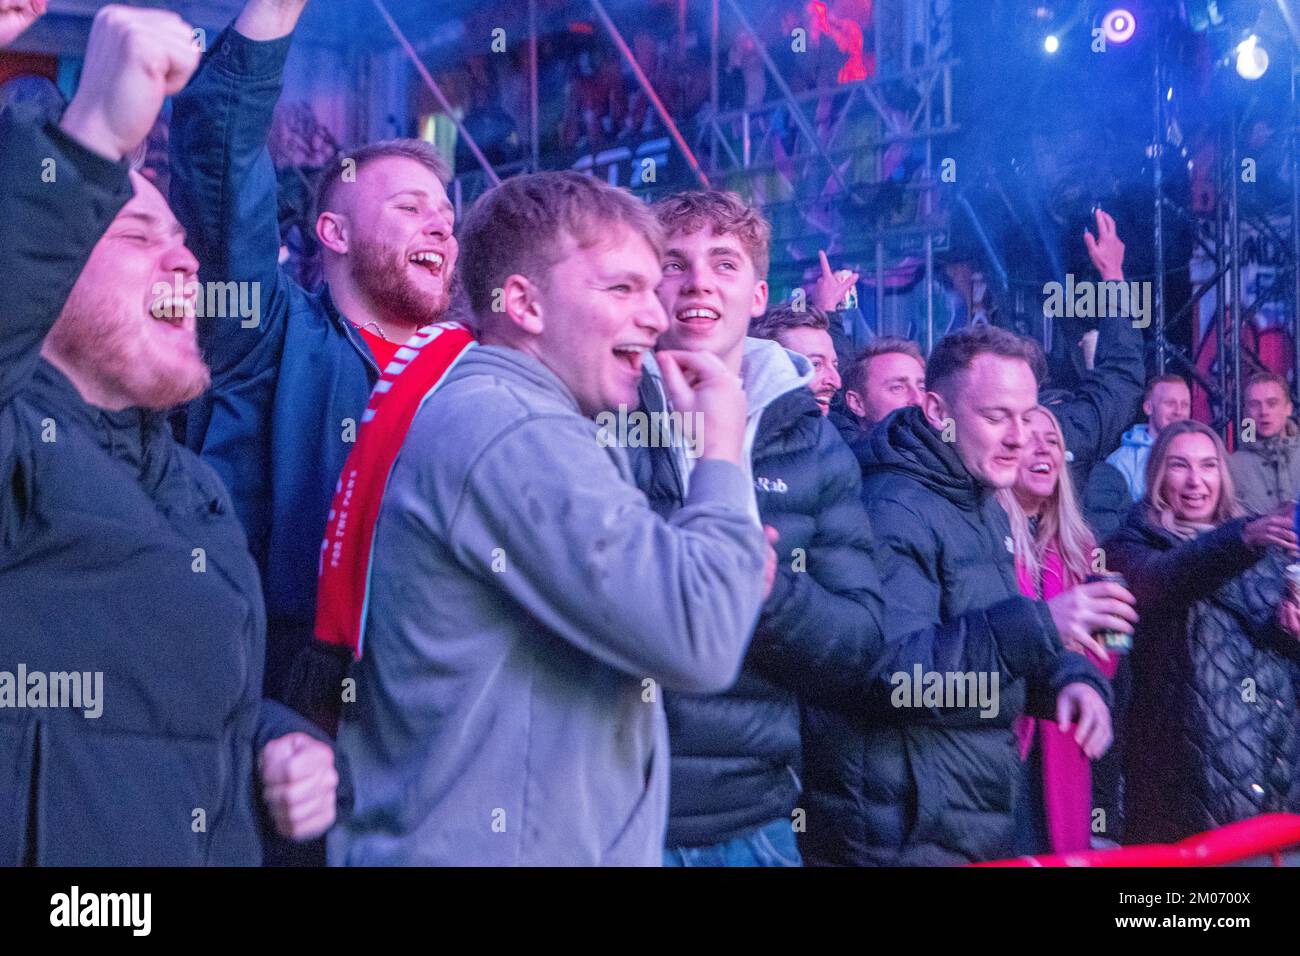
[735, 756]
[936, 784]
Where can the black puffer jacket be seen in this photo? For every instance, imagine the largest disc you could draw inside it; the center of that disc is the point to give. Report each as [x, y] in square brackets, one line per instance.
[735, 756]
[122, 563]
[1212, 732]
[931, 786]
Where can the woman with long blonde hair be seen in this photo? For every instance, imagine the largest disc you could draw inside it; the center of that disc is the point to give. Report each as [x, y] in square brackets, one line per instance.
[1054, 550]
[1212, 734]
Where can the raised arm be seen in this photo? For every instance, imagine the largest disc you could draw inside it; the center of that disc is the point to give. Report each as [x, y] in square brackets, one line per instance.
[47, 229]
[61, 188]
[1106, 401]
[1166, 580]
[223, 181]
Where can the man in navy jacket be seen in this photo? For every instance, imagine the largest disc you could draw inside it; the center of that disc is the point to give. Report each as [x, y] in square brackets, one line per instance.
[290, 379]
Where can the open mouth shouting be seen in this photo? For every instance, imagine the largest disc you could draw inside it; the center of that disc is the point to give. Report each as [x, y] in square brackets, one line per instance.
[430, 260]
[630, 355]
[179, 313]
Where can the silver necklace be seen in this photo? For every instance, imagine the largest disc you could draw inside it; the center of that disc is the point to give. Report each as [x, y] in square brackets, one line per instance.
[378, 330]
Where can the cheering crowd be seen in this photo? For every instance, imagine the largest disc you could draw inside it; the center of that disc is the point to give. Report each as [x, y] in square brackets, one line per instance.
[544, 538]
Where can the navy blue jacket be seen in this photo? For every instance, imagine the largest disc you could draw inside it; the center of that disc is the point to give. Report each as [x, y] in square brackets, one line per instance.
[119, 555]
[934, 785]
[288, 393]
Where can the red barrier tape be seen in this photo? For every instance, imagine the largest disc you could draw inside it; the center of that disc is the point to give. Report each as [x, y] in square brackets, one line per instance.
[1267, 835]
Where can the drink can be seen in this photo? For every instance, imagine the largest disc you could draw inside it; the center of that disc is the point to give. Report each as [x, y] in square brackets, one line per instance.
[850, 300]
[1117, 642]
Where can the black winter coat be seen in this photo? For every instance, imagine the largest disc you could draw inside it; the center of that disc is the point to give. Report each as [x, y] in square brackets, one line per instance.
[936, 785]
[1212, 729]
[120, 555]
[1106, 500]
[735, 756]
[1095, 413]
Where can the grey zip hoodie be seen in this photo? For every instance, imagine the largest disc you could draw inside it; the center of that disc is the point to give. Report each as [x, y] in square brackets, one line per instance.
[767, 371]
[526, 609]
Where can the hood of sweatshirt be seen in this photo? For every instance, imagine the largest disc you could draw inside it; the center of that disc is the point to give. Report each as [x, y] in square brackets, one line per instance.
[1139, 436]
[767, 372]
[906, 444]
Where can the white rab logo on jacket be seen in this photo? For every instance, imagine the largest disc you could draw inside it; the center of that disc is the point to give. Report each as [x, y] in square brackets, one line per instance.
[774, 485]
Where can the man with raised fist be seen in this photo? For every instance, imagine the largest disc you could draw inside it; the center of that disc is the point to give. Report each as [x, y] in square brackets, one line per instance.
[132, 637]
[290, 383]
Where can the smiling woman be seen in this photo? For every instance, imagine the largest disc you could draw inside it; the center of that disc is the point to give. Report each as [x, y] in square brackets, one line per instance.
[1216, 642]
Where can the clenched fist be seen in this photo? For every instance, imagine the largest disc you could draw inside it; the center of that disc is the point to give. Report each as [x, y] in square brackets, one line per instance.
[16, 16]
[299, 785]
[134, 60]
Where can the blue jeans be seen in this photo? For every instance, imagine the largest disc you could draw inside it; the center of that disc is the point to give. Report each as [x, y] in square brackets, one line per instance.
[772, 844]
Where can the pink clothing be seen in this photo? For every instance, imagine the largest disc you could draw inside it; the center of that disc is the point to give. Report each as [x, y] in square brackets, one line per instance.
[1067, 774]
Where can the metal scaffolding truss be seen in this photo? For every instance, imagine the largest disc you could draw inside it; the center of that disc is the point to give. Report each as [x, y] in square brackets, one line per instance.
[1220, 237]
[819, 155]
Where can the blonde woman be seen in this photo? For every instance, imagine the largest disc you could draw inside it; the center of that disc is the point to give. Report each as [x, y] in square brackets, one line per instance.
[1054, 551]
[1212, 733]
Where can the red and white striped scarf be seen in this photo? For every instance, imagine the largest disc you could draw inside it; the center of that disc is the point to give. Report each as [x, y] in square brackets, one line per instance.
[416, 371]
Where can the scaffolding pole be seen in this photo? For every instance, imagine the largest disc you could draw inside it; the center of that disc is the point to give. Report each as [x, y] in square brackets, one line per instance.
[644, 82]
[534, 111]
[715, 95]
[795, 111]
[1234, 281]
[1221, 287]
[436, 90]
[1158, 177]
[928, 203]
[1295, 226]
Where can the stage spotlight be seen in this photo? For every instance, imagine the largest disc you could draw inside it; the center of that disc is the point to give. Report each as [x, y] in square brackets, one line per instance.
[1118, 26]
[1252, 59]
[1051, 44]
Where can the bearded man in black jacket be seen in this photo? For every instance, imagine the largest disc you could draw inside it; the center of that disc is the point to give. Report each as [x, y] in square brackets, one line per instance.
[932, 779]
[132, 610]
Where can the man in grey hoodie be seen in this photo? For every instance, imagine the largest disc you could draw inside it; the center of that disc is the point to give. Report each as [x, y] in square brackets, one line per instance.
[527, 605]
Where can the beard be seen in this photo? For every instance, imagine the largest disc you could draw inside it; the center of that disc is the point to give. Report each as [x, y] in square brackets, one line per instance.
[380, 272]
[113, 346]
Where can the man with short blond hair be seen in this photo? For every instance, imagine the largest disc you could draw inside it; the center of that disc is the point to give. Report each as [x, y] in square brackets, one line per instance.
[736, 754]
[933, 783]
[1167, 400]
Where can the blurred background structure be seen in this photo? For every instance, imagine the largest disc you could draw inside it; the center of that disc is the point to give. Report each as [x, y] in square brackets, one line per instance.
[949, 152]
